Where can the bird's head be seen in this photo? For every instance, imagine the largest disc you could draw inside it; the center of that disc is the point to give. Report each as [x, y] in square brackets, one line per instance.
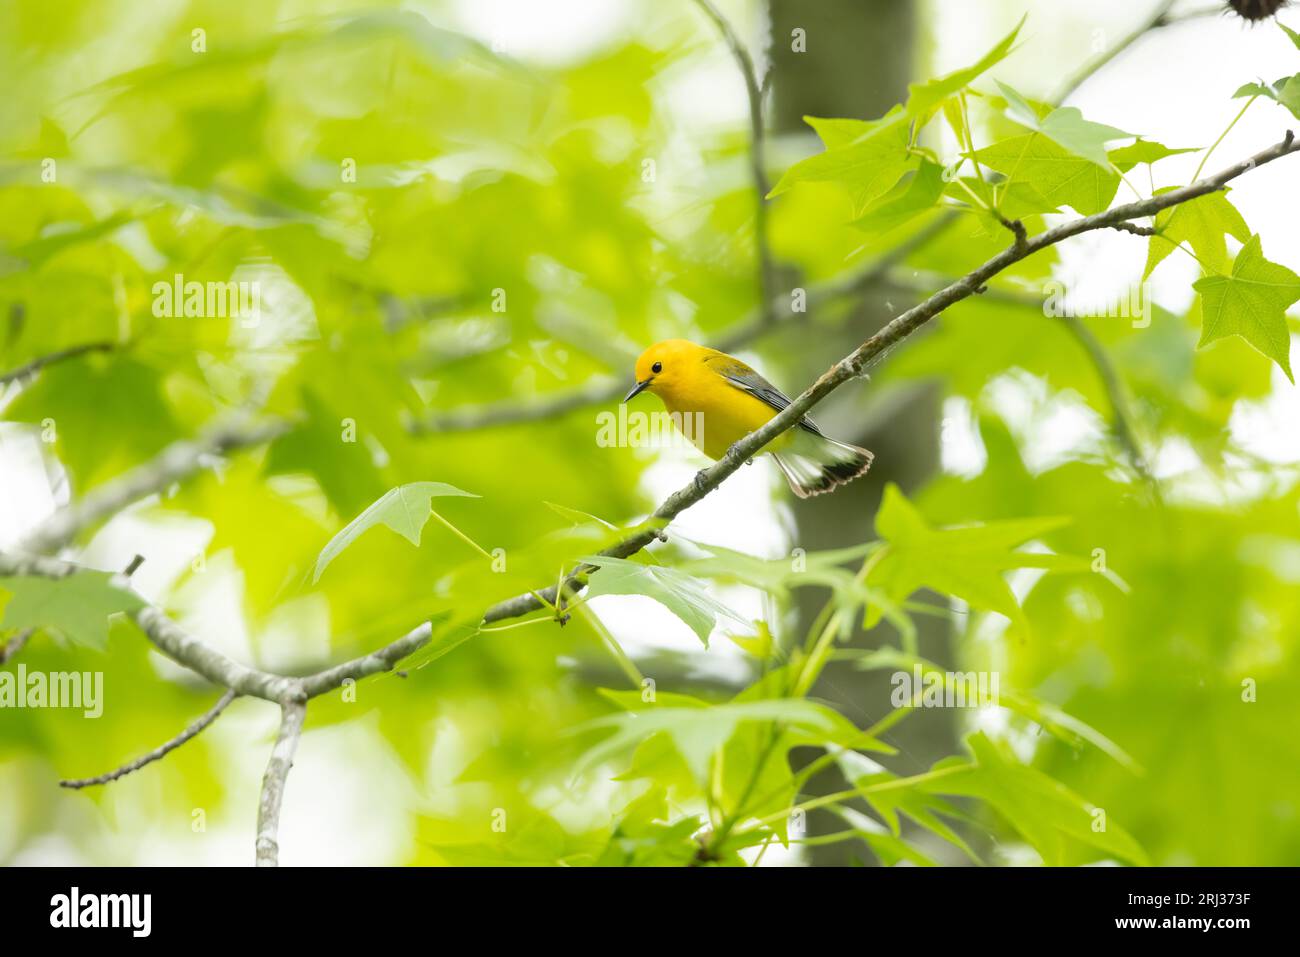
[663, 365]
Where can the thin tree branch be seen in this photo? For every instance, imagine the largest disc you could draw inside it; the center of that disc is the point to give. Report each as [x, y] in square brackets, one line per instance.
[211, 664]
[292, 693]
[854, 364]
[757, 158]
[30, 370]
[15, 644]
[385, 659]
[179, 460]
[189, 651]
[606, 389]
[293, 712]
[509, 412]
[1159, 18]
[1121, 415]
[192, 731]
[1121, 420]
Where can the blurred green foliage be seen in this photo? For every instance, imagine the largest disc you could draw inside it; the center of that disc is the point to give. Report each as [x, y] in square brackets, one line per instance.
[435, 226]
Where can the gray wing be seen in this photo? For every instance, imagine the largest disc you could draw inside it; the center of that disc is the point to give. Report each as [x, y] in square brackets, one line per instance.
[743, 377]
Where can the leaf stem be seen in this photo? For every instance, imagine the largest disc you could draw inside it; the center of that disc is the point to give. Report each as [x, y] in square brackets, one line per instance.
[1215, 144]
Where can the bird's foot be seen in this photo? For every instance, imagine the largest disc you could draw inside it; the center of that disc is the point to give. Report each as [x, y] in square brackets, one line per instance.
[731, 455]
[701, 478]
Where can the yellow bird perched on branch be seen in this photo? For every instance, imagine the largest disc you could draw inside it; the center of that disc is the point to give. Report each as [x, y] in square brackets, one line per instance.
[733, 400]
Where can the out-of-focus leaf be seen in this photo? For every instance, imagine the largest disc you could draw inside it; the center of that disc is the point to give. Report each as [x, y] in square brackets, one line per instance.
[697, 733]
[921, 807]
[1048, 814]
[77, 606]
[966, 562]
[405, 509]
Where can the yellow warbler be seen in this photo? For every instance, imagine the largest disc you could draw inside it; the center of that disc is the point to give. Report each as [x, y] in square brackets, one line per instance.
[733, 400]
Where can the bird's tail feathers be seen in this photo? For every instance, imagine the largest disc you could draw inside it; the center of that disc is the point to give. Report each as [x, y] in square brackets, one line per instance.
[814, 464]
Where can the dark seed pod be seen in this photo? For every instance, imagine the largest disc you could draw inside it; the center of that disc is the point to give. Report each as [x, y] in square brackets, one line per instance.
[1255, 10]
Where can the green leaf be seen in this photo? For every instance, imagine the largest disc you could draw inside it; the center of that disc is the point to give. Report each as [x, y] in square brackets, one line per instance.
[924, 98]
[915, 194]
[577, 516]
[677, 591]
[1059, 723]
[886, 845]
[862, 772]
[967, 562]
[1143, 151]
[1055, 173]
[837, 132]
[1066, 726]
[404, 509]
[1284, 91]
[1048, 814]
[1202, 224]
[1295, 37]
[1289, 95]
[1251, 303]
[698, 732]
[1066, 127]
[77, 606]
[867, 166]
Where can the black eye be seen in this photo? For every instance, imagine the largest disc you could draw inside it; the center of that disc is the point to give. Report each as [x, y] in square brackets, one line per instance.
[657, 368]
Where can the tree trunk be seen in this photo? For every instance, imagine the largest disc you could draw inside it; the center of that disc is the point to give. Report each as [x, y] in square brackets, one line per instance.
[857, 61]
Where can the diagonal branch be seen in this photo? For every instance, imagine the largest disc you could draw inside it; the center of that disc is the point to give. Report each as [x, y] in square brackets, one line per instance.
[1121, 414]
[293, 712]
[606, 389]
[603, 390]
[1121, 420]
[192, 731]
[15, 644]
[292, 693]
[854, 364]
[178, 461]
[30, 370]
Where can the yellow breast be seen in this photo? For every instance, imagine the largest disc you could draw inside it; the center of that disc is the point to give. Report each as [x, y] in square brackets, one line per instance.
[728, 414]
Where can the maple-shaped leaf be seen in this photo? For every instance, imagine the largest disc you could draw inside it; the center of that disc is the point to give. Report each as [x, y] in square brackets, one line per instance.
[1202, 223]
[924, 98]
[1065, 126]
[682, 594]
[1143, 151]
[914, 194]
[1049, 815]
[966, 561]
[1251, 302]
[1057, 175]
[1285, 91]
[866, 158]
[77, 606]
[404, 509]
[698, 732]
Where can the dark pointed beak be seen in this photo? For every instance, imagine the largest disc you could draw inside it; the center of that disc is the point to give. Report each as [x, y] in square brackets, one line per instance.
[637, 389]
